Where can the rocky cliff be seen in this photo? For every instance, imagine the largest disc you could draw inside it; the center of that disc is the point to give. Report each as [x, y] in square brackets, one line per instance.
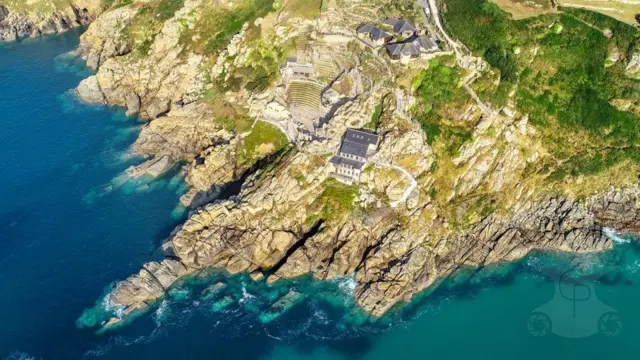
[217, 96]
[22, 19]
[391, 260]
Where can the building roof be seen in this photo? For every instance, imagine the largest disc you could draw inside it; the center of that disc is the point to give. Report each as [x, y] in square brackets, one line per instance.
[425, 43]
[406, 49]
[339, 160]
[374, 31]
[400, 25]
[361, 136]
[356, 142]
[351, 148]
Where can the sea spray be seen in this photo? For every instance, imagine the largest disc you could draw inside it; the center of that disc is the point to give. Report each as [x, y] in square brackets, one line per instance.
[19, 355]
[102, 311]
[162, 312]
[347, 284]
[613, 235]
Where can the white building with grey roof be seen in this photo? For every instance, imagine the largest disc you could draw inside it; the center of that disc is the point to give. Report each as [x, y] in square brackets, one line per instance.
[355, 149]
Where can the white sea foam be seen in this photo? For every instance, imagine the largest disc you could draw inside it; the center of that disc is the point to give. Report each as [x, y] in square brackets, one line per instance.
[161, 311]
[19, 355]
[107, 305]
[245, 295]
[347, 284]
[614, 236]
[320, 316]
[632, 268]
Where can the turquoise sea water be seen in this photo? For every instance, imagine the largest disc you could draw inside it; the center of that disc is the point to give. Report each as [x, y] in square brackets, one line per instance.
[69, 227]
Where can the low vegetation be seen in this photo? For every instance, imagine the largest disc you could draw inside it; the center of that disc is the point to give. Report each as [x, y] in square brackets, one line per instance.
[38, 6]
[115, 3]
[336, 200]
[264, 139]
[308, 9]
[148, 22]
[218, 24]
[440, 100]
[558, 67]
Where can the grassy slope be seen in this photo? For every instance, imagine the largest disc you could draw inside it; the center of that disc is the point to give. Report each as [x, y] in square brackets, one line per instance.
[265, 135]
[565, 87]
[39, 6]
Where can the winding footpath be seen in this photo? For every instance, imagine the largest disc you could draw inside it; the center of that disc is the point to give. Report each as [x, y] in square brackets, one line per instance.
[433, 7]
[410, 188]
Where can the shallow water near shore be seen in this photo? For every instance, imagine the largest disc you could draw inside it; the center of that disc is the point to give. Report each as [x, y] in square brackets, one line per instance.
[70, 225]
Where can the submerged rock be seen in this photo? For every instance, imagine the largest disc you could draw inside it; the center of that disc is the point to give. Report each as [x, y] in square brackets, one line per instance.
[281, 306]
[223, 304]
[213, 290]
[153, 168]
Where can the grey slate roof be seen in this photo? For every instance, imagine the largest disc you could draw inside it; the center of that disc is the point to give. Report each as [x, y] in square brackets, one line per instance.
[352, 148]
[339, 160]
[374, 32]
[424, 43]
[361, 137]
[400, 25]
[407, 49]
[412, 46]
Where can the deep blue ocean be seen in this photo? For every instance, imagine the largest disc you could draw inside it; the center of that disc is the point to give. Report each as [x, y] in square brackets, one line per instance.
[70, 225]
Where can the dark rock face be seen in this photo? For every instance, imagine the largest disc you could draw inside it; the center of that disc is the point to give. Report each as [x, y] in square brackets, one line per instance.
[618, 210]
[551, 224]
[3, 12]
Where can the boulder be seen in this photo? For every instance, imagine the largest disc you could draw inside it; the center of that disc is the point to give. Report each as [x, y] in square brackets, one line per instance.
[89, 90]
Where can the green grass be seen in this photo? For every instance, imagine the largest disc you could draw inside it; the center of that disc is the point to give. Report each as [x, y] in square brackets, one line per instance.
[624, 35]
[336, 200]
[483, 27]
[262, 133]
[566, 88]
[439, 95]
[218, 25]
[142, 30]
[376, 116]
[167, 8]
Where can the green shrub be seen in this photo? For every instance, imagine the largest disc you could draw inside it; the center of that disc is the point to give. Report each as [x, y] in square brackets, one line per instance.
[218, 25]
[566, 88]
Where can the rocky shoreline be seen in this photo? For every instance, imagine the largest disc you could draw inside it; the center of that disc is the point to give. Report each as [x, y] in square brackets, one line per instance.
[388, 264]
[394, 232]
[26, 23]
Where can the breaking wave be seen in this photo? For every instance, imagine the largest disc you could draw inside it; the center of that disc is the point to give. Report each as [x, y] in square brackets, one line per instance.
[614, 236]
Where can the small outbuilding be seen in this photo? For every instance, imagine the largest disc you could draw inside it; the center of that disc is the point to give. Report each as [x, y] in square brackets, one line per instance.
[401, 26]
[375, 34]
[412, 48]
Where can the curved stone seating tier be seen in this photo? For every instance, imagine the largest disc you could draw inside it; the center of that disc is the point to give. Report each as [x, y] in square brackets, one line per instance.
[326, 67]
[306, 93]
